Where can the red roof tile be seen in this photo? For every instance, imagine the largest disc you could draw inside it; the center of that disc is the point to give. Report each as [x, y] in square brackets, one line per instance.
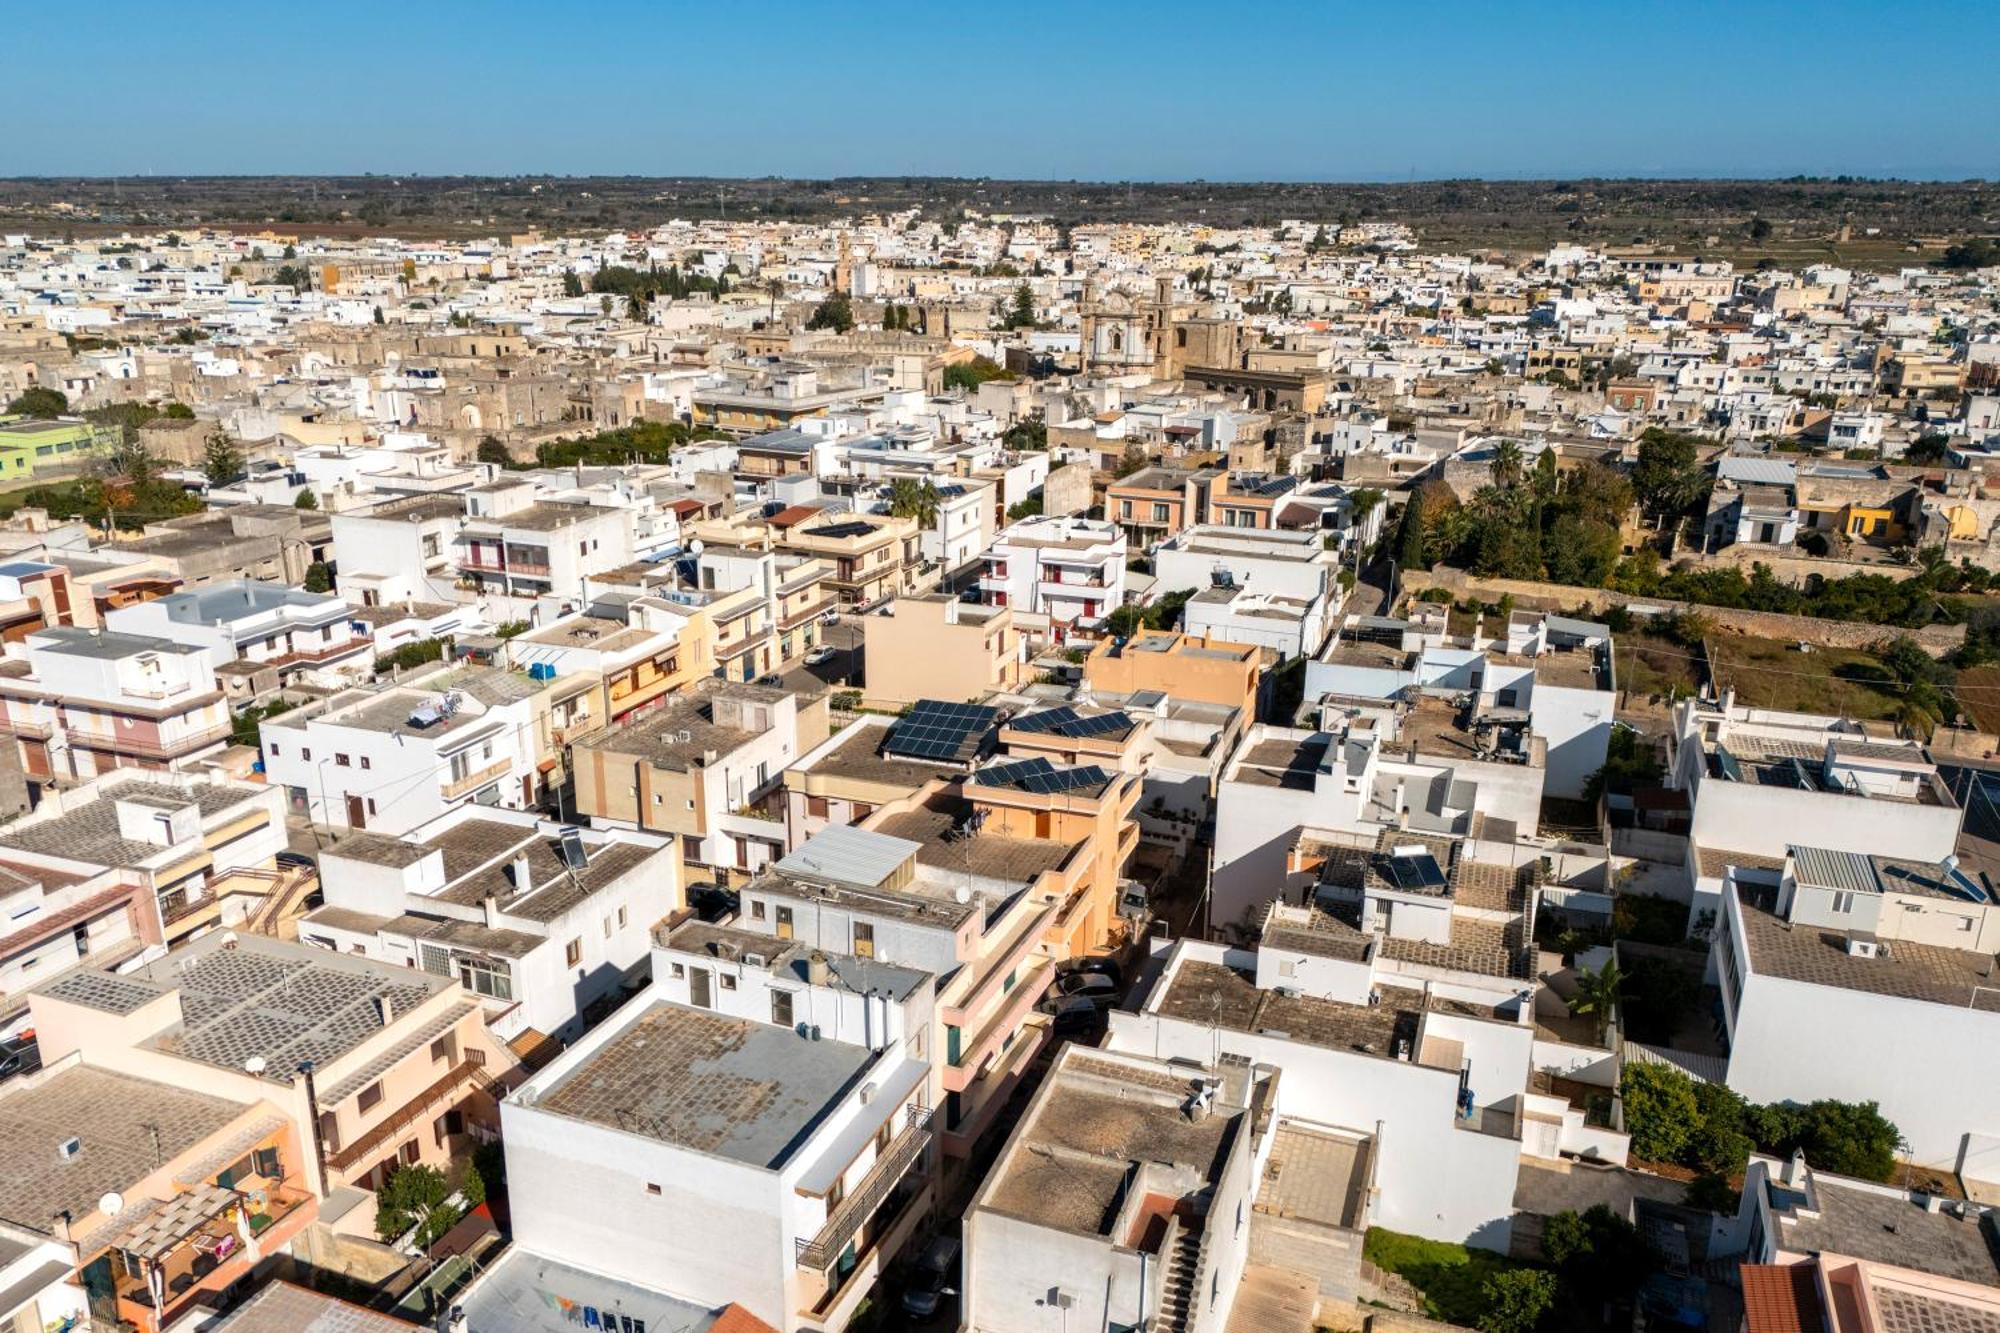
[1782, 1298]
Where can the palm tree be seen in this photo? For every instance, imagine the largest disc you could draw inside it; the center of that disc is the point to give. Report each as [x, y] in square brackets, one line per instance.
[1597, 996]
[1507, 463]
[909, 498]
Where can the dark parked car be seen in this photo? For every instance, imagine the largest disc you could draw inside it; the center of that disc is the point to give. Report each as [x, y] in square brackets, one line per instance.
[19, 1055]
[931, 1283]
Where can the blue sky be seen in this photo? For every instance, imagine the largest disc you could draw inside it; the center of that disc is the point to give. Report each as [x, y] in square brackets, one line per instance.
[1103, 91]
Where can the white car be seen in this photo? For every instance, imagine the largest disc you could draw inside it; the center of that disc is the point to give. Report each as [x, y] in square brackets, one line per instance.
[819, 655]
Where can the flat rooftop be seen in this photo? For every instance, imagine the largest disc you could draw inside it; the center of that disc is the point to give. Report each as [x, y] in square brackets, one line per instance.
[1073, 1162]
[1280, 761]
[90, 832]
[994, 856]
[1904, 969]
[1888, 1227]
[1219, 996]
[115, 1116]
[258, 998]
[694, 1079]
[860, 758]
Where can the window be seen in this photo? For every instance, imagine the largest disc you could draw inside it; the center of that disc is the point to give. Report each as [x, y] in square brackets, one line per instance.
[756, 910]
[781, 1008]
[1843, 903]
[573, 953]
[371, 805]
[492, 980]
[652, 1188]
[607, 927]
[410, 1153]
[729, 981]
[305, 753]
[441, 1049]
[365, 763]
[678, 970]
[340, 761]
[275, 751]
[621, 917]
[864, 940]
[816, 807]
[371, 1096]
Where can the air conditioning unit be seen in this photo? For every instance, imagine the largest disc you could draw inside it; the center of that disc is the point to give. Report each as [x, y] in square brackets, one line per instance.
[69, 1149]
[1863, 946]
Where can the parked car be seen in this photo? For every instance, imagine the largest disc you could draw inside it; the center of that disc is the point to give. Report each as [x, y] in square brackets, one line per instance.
[932, 1281]
[19, 1055]
[1093, 986]
[830, 618]
[1106, 967]
[295, 861]
[819, 655]
[710, 901]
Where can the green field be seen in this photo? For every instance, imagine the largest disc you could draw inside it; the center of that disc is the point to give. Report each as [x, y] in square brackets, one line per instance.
[1770, 673]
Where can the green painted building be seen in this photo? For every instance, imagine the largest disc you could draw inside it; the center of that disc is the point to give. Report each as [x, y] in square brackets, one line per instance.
[29, 445]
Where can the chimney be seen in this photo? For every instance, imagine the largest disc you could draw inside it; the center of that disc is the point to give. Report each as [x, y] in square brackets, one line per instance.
[817, 971]
[385, 1009]
[524, 875]
[490, 907]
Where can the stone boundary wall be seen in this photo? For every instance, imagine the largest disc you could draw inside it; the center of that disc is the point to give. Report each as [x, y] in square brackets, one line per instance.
[1934, 639]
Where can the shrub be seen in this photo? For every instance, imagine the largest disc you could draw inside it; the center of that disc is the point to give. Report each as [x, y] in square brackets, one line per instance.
[1660, 1109]
[1516, 1300]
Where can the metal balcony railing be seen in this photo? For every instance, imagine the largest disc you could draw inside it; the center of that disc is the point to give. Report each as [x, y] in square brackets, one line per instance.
[821, 1252]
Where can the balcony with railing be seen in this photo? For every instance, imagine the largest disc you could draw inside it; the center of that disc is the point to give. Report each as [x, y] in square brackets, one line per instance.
[198, 1243]
[861, 1220]
[464, 1077]
[474, 779]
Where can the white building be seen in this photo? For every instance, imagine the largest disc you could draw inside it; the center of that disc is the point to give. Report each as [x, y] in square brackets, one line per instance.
[1554, 672]
[1759, 782]
[750, 1129]
[539, 924]
[394, 759]
[1071, 570]
[399, 551]
[260, 625]
[1420, 766]
[514, 543]
[1858, 977]
[1271, 563]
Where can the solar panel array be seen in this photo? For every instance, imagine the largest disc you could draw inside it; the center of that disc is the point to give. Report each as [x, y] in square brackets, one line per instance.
[1066, 721]
[1041, 777]
[940, 731]
[839, 530]
[1413, 872]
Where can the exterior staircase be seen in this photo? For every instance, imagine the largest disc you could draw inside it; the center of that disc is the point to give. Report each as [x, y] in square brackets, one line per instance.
[1180, 1283]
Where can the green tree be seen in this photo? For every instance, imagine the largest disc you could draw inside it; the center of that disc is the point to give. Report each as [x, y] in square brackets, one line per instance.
[306, 500]
[1132, 460]
[1516, 1299]
[1668, 477]
[969, 375]
[319, 577]
[221, 461]
[1597, 996]
[910, 498]
[415, 1197]
[1660, 1110]
[572, 286]
[1031, 434]
[1507, 463]
[1759, 229]
[493, 450]
[46, 404]
[177, 412]
[1926, 450]
[836, 312]
[1022, 314]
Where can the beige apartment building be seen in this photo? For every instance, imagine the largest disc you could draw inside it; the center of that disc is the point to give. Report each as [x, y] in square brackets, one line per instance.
[936, 647]
[873, 556]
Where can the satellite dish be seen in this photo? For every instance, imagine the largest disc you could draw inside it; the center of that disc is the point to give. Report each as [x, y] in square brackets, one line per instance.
[695, 547]
[111, 1204]
[963, 894]
[254, 1065]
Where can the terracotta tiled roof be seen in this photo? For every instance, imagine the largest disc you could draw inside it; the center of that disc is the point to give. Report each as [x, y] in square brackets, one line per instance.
[1781, 1298]
[792, 516]
[735, 1319]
